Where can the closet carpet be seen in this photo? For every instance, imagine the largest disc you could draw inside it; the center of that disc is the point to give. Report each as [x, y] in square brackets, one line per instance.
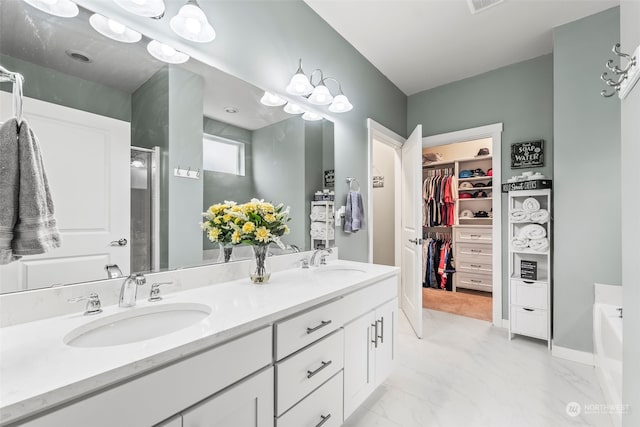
[464, 303]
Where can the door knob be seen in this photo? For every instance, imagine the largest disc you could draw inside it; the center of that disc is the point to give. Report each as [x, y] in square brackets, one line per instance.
[416, 241]
[121, 242]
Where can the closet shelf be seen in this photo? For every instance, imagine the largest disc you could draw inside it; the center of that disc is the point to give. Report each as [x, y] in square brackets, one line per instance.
[475, 178]
[477, 219]
[474, 189]
[475, 159]
[530, 252]
[475, 199]
[441, 163]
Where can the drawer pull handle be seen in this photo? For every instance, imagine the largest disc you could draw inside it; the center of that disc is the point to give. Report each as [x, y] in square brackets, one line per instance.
[381, 336]
[527, 282]
[527, 309]
[325, 418]
[476, 236]
[476, 251]
[476, 281]
[313, 373]
[375, 333]
[476, 266]
[321, 325]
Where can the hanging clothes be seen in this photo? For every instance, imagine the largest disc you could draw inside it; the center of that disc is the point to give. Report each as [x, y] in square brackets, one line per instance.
[438, 203]
[437, 263]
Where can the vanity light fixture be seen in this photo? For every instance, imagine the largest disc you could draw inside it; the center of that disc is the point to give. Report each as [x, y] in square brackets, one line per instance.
[272, 100]
[310, 116]
[299, 83]
[61, 8]
[166, 53]
[320, 95]
[191, 23]
[113, 29]
[293, 108]
[147, 8]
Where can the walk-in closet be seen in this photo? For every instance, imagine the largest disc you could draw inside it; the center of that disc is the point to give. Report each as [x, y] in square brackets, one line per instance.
[458, 227]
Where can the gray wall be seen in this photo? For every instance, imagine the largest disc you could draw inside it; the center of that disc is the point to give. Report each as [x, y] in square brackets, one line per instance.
[520, 96]
[217, 186]
[261, 41]
[313, 172]
[384, 204]
[53, 86]
[278, 167]
[629, 37]
[587, 176]
[185, 150]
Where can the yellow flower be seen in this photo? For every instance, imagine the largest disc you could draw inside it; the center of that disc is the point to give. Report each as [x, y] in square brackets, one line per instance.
[226, 218]
[237, 220]
[269, 217]
[248, 207]
[214, 234]
[216, 220]
[248, 227]
[267, 207]
[286, 229]
[235, 237]
[262, 234]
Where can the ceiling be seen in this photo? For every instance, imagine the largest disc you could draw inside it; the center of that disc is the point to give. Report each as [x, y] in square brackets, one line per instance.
[422, 44]
[37, 37]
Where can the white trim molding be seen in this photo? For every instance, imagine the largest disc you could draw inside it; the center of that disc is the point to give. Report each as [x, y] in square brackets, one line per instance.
[566, 353]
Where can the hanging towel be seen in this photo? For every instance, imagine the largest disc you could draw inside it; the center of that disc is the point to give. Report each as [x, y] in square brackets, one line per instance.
[541, 216]
[533, 231]
[530, 205]
[34, 226]
[354, 212]
[518, 215]
[540, 245]
[9, 186]
[519, 242]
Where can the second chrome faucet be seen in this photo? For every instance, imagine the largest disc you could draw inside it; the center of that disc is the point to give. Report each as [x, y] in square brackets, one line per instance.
[129, 290]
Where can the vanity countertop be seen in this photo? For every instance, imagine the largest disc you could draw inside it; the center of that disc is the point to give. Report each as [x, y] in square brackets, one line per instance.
[39, 371]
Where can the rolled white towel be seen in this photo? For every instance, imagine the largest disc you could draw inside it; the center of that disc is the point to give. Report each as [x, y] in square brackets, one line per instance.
[530, 205]
[519, 242]
[533, 231]
[540, 245]
[518, 215]
[540, 216]
[320, 235]
[319, 226]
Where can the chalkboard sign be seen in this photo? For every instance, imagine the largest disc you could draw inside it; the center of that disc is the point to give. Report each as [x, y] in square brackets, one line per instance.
[329, 178]
[527, 154]
[529, 270]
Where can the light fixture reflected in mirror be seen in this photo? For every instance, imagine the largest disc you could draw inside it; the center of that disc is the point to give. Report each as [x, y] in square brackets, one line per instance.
[61, 8]
[272, 100]
[340, 104]
[312, 117]
[293, 108]
[166, 53]
[191, 23]
[146, 8]
[320, 95]
[113, 29]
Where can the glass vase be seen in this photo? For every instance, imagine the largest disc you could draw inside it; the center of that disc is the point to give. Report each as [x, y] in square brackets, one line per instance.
[259, 268]
[225, 252]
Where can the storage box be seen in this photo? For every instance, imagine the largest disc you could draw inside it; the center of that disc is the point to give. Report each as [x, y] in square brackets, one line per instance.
[535, 184]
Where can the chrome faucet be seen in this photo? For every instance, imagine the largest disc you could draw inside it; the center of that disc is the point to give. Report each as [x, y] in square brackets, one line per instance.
[113, 271]
[129, 290]
[323, 256]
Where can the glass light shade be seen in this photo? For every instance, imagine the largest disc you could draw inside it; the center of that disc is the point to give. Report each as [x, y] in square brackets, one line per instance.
[320, 95]
[147, 8]
[166, 53]
[61, 8]
[113, 29]
[311, 116]
[293, 109]
[272, 100]
[191, 23]
[299, 85]
[340, 104]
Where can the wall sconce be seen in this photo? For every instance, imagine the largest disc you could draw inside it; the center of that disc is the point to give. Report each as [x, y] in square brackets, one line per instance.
[191, 24]
[113, 29]
[626, 77]
[166, 53]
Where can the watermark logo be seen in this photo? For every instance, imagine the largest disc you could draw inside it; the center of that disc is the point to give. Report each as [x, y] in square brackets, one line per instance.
[573, 409]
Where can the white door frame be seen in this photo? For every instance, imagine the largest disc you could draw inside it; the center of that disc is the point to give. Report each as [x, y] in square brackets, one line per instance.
[388, 137]
[493, 131]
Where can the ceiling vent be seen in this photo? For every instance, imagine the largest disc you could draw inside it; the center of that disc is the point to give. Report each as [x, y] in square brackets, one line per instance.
[477, 6]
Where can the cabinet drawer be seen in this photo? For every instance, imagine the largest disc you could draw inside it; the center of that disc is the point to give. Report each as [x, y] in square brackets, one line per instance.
[478, 282]
[299, 331]
[529, 321]
[529, 294]
[362, 301]
[323, 404]
[472, 234]
[474, 252]
[477, 266]
[303, 372]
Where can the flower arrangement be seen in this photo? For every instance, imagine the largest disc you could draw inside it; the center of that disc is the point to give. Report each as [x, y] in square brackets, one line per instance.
[217, 222]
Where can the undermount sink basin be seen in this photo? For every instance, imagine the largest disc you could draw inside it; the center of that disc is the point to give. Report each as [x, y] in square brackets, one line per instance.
[137, 324]
[343, 271]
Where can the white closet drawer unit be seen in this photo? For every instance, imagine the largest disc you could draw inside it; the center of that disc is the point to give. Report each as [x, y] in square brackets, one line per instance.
[479, 282]
[474, 266]
[529, 321]
[473, 234]
[299, 331]
[322, 407]
[474, 252]
[302, 373]
[529, 294]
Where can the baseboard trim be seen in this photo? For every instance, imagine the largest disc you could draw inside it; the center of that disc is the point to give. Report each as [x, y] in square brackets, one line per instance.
[502, 323]
[583, 357]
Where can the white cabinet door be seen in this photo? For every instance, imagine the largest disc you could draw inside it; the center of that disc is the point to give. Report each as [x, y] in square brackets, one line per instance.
[173, 422]
[385, 353]
[359, 372]
[248, 404]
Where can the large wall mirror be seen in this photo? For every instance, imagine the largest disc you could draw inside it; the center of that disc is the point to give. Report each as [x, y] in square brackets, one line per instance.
[136, 149]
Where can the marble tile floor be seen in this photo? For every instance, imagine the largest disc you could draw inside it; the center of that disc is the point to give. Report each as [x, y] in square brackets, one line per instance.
[466, 373]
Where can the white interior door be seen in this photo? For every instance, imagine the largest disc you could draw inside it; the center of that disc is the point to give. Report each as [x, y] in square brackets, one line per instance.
[86, 158]
[411, 285]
